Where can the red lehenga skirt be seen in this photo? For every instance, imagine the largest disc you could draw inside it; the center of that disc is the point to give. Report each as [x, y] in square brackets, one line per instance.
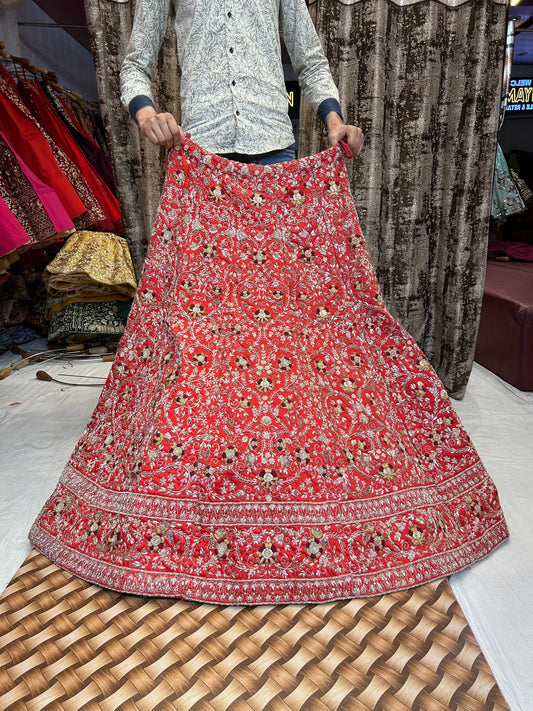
[268, 433]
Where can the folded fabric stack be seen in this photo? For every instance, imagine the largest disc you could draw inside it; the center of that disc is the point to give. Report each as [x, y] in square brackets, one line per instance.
[90, 285]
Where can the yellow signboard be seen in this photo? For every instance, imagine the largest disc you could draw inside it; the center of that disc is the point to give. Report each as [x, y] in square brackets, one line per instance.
[520, 96]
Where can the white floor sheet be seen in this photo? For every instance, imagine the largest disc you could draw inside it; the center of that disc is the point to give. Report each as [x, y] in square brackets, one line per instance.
[41, 422]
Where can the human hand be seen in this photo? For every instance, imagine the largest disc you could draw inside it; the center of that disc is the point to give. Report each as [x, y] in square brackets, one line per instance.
[160, 129]
[339, 131]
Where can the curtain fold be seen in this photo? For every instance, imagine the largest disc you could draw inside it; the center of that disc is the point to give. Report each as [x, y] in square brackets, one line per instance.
[423, 80]
[138, 165]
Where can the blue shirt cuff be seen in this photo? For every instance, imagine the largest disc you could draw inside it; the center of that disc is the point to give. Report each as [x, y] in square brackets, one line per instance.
[139, 102]
[326, 107]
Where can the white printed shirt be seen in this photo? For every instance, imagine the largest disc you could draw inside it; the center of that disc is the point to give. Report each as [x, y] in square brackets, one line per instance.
[233, 96]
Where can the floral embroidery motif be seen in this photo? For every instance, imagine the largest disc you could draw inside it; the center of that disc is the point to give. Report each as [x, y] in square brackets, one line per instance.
[373, 537]
[268, 477]
[334, 188]
[222, 545]
[114, 539]
[314, 546]
[230, 454]
[209, 250]
[63, 505]
[323, 313]
[302, 455]
[257, 200]
[284, 363]
[177, 451]
[216, 193]
[297, 198]
[307, 255]
[262, 315]
[268, 432]
[387, 471]
[157, 539]
[195, 310]
[259, 257]
[242, 362]
[417, 535]
[264, 384]
[182, 398]
[268, 552]
[199, 359]
[348, 385]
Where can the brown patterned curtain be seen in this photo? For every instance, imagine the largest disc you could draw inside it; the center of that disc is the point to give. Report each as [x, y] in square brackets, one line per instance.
[423, 80]
[139, 166]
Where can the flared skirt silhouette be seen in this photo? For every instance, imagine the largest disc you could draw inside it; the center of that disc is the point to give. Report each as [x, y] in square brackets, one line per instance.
[268, 433]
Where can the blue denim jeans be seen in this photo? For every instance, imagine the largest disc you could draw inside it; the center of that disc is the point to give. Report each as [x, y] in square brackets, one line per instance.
[281, 156]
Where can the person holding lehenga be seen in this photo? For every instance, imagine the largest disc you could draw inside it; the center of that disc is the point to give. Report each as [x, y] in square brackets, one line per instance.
[268, 432]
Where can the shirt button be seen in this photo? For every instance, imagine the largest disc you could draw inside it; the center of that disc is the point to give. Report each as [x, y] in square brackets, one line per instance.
[231, 50]
[233, 83]
[237, 113]
[229, 14]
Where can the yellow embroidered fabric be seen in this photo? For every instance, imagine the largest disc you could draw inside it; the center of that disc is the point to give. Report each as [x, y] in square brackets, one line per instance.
[91, 266]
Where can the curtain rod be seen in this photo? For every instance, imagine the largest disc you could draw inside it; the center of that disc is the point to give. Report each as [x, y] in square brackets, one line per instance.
[49, 76]
[52, 24]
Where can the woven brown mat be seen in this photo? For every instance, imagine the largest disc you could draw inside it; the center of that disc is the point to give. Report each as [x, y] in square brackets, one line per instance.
[66, 644]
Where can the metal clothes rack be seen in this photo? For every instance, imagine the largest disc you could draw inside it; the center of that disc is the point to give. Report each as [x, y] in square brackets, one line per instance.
[21, 65]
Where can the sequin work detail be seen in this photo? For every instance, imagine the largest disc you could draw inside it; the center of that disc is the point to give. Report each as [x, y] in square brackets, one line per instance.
[268, 432]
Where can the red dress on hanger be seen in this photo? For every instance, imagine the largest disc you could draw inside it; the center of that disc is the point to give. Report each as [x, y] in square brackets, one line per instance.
[35, 204]
[268, 433]
[45, 157]
[30, 143]
[37, 101]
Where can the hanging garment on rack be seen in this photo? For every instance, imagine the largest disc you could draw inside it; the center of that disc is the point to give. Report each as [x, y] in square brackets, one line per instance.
[98, 131]
[94, 154]
[10, 199]
[268, 433]
[12, 233]
[506, 198]
[44, 157]
[47, 117]
[30, 143]
[35, 205]
[34, 97]
[523, 188]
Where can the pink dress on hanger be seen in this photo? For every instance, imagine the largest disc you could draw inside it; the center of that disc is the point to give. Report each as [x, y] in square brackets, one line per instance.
[40, 202]
[38, 103]
[12, 234]
[31, 144]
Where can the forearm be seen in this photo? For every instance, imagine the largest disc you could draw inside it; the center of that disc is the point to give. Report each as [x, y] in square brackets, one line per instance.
[307, 56]
[329, 106]
[147, 34]
[137, 104]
